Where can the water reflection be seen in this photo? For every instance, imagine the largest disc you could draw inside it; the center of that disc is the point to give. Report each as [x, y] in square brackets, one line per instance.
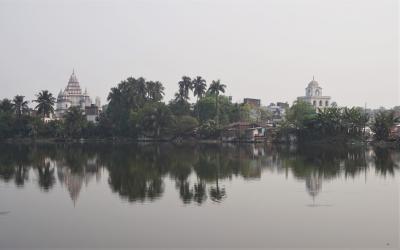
[137, 173]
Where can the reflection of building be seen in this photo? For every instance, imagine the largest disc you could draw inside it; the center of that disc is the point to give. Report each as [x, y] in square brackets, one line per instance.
[74, 180]
[314, 96]
[313, 184]
[72, 97]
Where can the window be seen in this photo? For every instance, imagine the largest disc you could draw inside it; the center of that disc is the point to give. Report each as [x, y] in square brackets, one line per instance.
[317, 92]
[327, 103]
[314, 103]
[320, 103]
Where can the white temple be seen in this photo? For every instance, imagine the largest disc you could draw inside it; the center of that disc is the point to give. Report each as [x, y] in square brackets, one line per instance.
[314, 96]
[72, 97]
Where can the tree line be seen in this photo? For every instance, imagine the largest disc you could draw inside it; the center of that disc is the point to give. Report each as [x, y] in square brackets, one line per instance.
[136, 109]
[337, 123]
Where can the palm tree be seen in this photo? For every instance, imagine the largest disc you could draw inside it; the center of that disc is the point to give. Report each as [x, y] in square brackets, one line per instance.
[199, 89]
[20, 105]
[185, 85]
[215, 88]
[155, 91]
[45, 102]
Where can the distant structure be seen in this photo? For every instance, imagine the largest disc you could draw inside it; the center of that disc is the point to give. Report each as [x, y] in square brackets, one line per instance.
[278, 111]
[254, 103]
[72, 97]
[314, 96]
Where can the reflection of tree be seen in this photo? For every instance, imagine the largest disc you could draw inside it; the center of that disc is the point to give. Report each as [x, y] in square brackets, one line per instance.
[384, 161]
[21, 175]
[46, 176]
[138, 172]
[133, 174]
[200, 192]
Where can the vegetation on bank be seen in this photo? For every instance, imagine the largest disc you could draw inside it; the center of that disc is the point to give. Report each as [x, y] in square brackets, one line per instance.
[336, 123]
[136, 110]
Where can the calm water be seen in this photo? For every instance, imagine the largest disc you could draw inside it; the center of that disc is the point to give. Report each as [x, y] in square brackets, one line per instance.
[198, 196]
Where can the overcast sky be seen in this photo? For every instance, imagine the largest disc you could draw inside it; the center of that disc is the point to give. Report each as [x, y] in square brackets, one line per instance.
[262, 49]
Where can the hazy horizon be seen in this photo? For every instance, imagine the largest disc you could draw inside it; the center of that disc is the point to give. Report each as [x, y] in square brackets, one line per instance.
[260, 49]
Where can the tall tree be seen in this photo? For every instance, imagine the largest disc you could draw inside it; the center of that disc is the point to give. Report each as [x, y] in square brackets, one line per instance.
[216, 88]
[199, 89]
[45, 102]
[155, 91]
[185, 86]
[20, 105]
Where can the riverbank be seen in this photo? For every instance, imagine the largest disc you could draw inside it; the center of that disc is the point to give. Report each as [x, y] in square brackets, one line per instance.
[191, 140]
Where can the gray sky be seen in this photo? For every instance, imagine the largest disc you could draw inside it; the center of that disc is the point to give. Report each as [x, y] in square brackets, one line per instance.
[263, 49]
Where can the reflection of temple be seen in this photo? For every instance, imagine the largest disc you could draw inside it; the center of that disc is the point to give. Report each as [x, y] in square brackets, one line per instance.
[74, 180]
[313, 184]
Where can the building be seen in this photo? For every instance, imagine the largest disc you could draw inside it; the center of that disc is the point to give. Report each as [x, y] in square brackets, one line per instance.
[254, 103]
[278, 111]
[72, 96]
[243, 131]
[314, 96]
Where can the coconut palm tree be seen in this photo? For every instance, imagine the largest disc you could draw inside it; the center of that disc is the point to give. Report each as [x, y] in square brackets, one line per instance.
[155, 91]
[185, 85]
[215, 88]
[45, 102]
[20, 105]
[199, 89]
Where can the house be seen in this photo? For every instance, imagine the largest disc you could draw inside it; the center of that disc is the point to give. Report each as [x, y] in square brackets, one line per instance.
[92, 112]
[243, 131]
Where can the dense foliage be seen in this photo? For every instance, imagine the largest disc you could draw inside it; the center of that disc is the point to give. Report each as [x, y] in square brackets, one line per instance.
[329, 123]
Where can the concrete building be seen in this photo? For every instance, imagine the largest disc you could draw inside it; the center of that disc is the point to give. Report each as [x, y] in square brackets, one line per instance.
[314, 96]
[254, 103]
[278, 111]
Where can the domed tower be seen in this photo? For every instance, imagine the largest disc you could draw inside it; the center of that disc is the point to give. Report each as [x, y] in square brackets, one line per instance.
[314, 96]
[313, 89]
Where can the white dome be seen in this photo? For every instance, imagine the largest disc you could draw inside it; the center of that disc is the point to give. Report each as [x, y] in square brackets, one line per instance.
[313, 84]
